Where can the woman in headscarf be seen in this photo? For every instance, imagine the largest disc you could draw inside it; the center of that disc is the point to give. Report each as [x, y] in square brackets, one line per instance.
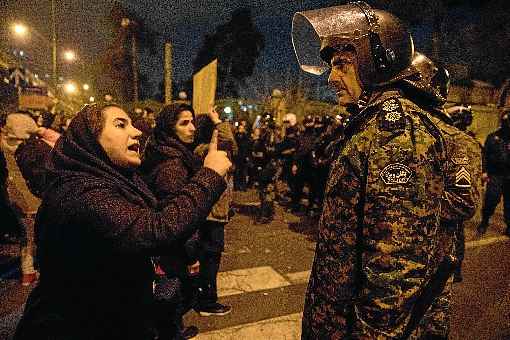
[97, 227]
[168, 165]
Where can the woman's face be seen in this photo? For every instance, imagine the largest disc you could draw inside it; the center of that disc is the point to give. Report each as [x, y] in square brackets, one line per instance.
[119, 138]
[184, 128]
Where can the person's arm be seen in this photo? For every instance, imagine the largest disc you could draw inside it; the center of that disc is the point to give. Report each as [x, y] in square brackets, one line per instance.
[489, 150]
[463, 179]
[129, 228]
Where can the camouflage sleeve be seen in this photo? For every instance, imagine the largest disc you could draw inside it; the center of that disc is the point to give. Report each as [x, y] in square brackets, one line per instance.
[462, 178]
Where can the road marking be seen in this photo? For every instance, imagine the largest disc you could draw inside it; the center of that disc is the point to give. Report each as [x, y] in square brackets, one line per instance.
[486, 241]
[299, 277]
[286, 327]
[249, 280]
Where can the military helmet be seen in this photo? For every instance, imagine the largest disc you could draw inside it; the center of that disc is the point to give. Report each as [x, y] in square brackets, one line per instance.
[319, 120]
[431, 81]
[461, 116]
[309, 119]
[383, 44]
[290, 118]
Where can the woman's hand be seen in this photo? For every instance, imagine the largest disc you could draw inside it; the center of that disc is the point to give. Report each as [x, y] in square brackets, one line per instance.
[214, 115]
[217, 160]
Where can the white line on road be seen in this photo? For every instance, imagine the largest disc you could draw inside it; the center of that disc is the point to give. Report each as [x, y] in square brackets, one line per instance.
[486, 241]
[249, 280]
[286, 327]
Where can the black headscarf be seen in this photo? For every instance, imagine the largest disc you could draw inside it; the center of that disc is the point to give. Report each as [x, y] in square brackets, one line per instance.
[164, 143]
[78, 154]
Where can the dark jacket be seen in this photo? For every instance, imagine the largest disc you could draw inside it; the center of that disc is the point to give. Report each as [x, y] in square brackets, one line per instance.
[96, 231]
[496, 153]
[31, 156]
[167, 167]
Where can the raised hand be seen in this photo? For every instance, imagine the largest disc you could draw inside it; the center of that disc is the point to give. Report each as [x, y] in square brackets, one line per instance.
[217, 160]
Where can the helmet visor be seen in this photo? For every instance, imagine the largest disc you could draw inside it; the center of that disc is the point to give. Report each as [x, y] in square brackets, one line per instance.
[307, 45]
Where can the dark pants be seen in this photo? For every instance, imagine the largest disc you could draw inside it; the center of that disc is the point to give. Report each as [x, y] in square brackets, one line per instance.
[304, 176]
[240, 175]
[212, 238]
[459, 244]
[209, 268]
[496, 187]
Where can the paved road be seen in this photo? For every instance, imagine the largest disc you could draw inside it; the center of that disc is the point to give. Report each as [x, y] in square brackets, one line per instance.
[265, 269]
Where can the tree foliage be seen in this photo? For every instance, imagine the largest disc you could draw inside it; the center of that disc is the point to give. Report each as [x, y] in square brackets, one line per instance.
[116, 76]
[237, 45]
[473, 33]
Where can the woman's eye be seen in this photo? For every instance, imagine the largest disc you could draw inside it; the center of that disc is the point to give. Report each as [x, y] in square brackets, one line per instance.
[121, 125]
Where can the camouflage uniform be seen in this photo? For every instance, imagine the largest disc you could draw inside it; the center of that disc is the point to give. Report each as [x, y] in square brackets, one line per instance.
[465, 167]
[380, 228]
[263, 158]
[400, 178]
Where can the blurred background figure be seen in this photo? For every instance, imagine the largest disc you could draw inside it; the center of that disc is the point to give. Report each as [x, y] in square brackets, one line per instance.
[20, 127]
[496, 173]
[242, 159]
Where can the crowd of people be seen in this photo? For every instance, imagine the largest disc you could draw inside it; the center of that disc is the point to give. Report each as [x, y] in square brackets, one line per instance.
[128, 217]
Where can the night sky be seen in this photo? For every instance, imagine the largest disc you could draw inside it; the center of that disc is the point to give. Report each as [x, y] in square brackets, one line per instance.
[184, 23]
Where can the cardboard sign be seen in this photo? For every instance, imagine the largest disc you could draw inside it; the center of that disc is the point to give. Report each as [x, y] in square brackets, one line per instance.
[204, 87]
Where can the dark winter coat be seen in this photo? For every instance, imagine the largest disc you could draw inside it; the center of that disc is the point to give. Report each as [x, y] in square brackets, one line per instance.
[496, 153]
[167, 167]
[31, 157]
[96, 230]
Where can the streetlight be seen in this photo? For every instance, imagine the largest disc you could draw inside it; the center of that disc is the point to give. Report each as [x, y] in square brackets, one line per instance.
[70, 88]
[69, 56]
[86, 87]
[20, 29]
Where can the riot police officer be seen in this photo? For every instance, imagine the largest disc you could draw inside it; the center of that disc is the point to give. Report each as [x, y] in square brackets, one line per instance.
[497, 165]
[463, 151]
[302, 168]
[376, 270]
[286, 149]
[263, 160]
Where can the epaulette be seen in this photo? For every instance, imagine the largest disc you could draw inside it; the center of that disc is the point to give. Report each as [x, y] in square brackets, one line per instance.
[391, 115]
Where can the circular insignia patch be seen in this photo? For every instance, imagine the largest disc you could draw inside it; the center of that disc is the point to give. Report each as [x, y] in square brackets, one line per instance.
[396, 173]
[393, 116]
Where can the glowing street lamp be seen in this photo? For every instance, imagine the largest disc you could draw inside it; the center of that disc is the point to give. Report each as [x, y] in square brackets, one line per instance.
[86, 87]
[92, 99]
[70, 88]
[69, 56]
[20, 29]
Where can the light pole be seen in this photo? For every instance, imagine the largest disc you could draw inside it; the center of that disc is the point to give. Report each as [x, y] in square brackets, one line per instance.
[54, 45]
[133, 25]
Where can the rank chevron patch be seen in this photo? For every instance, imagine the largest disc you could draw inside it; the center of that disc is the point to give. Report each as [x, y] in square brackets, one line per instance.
[463, 178]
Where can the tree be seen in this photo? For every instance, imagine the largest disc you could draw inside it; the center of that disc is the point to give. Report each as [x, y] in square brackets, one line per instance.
[237, 45]
[130, 37]
[474, 33]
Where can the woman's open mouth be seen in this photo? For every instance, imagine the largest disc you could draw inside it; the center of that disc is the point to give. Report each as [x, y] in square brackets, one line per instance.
[134, 147]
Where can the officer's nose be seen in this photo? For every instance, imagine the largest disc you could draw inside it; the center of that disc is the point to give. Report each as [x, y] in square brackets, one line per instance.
[334, 79]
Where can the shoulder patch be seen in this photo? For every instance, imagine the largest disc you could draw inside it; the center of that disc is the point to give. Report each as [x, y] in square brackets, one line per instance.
[396, 173]
[460, 160]
[463, 178]
[391, 116]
